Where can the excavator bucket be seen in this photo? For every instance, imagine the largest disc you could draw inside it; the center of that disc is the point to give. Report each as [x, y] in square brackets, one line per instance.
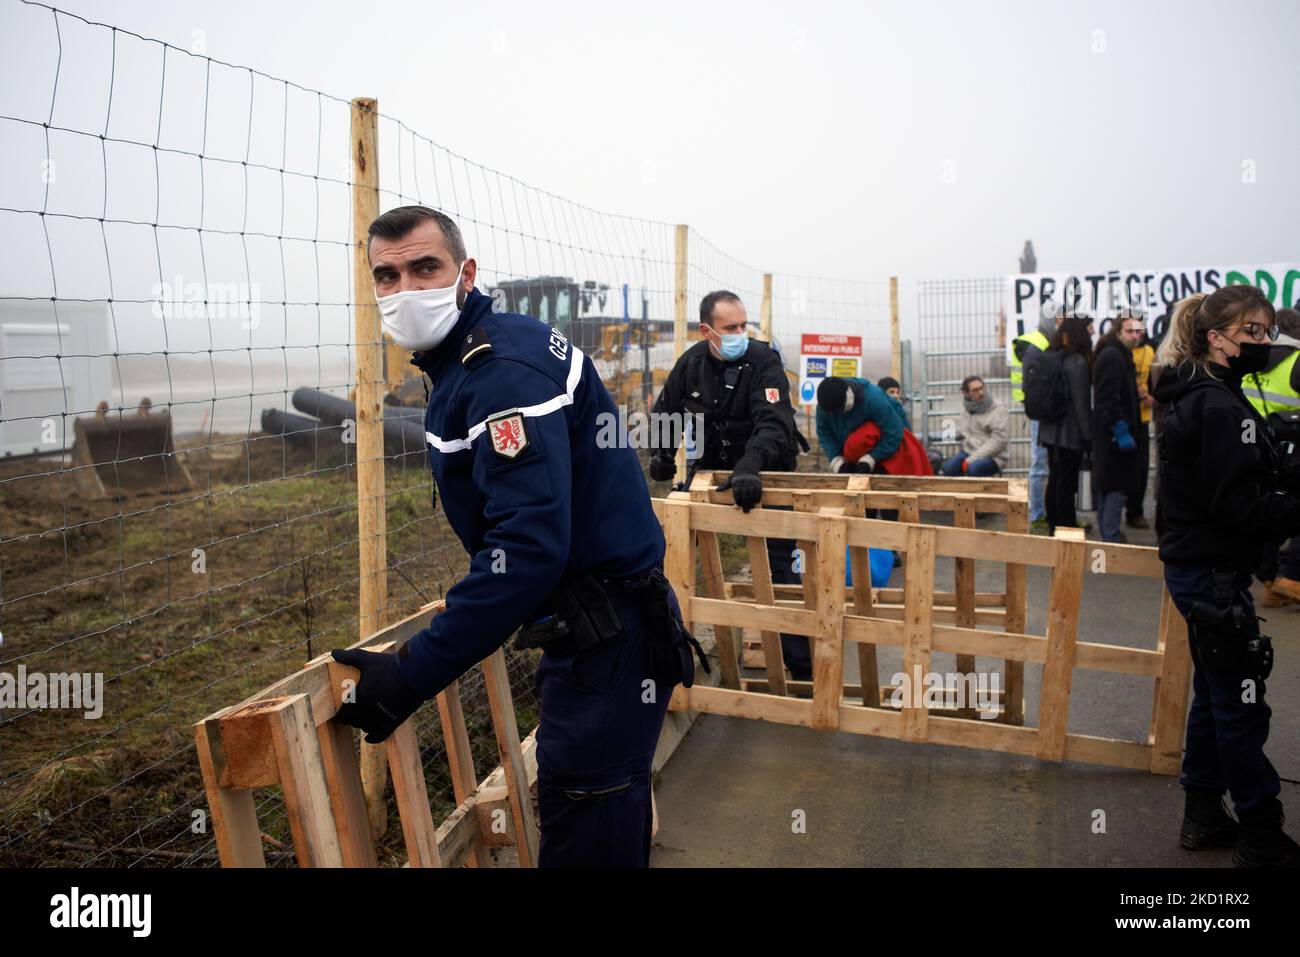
[116, 454]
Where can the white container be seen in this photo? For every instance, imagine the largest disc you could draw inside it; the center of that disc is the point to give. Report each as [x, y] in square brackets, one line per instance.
[54, 366]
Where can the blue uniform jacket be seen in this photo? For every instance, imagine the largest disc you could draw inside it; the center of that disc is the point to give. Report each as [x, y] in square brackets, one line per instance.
[870, 402]
[512, 426]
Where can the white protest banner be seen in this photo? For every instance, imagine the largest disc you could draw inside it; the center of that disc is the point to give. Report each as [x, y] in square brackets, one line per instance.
[1103, 292]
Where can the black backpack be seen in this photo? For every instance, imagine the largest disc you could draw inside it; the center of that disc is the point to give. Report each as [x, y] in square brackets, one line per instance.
[1047, 397]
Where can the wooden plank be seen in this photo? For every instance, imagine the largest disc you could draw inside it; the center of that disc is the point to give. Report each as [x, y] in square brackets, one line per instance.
[679, 553]
[860, 564]
[338, 750]
[1016, 603]
[716, 611]
[725, 641]
[1169, 722]
[460, 834]
[460, 757]
[680, 336]
[372, 515]
[873, 631]
[248, 747]
[302, 779]
[964, 588]
[761, 572]
[828, 644]
[995, 546]
[743, 704]
[769, 523]
[232, 811]
[504, 723]
[823, 498]
[412, 795]
[918, 624]
[1062, 633]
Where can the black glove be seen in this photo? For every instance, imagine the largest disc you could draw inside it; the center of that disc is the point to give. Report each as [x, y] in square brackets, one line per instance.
[662, 467]
[746, 489]
[382, 699]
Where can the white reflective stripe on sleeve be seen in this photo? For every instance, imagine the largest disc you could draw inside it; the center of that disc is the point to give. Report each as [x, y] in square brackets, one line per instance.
[542, 408]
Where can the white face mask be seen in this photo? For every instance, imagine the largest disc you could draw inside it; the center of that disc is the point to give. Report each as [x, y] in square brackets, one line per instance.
[421, 318]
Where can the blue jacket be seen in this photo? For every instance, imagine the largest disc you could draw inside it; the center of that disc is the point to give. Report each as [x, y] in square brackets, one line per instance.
[512, 426]
[870, 402]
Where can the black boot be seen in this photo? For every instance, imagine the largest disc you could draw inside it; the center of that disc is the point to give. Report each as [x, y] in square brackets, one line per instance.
[1262, 842]
[1205, 823]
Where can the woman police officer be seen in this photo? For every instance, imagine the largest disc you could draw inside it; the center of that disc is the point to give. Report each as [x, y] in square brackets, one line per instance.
[1224, 496]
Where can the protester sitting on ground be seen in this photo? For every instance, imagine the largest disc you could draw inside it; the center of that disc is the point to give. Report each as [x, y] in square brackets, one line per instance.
[844, 405]
[895, 391]
[985, 432]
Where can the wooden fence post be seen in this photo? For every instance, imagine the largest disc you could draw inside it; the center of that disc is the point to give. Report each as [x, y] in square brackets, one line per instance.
[895, 350]
[369, 426]
[765, 311]
[679, 326]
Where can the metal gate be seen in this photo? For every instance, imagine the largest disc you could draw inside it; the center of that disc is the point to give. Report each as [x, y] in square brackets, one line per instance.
[962, 331]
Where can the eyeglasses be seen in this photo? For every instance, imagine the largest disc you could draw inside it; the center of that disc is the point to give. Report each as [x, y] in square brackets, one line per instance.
[1259, 332]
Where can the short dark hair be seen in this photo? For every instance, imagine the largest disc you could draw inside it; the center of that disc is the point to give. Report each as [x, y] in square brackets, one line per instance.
[965, 383]
[1288, 322]
[399, 221]
[711, 300]
[888, 382]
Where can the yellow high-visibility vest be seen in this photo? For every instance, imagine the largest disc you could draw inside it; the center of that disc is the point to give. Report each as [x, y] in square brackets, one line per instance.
[1271, 391]
[1035, 338]
[1142, 358]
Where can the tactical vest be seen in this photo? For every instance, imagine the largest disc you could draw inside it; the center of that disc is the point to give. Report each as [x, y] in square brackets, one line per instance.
[1035, 338]
[1271, 391]
[723, 399]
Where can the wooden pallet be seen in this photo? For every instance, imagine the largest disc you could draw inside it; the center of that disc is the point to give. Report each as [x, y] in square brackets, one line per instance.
[856, 494]
[824, 522]
[286, 735]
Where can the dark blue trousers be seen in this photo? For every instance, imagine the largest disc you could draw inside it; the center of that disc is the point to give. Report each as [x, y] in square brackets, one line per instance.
[601, 714]
[1225, 735]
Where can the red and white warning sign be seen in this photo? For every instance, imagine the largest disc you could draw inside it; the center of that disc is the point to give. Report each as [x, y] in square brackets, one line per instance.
[826, 354]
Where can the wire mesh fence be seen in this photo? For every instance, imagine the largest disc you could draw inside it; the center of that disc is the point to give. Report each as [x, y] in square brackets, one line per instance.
[179, 505]
[962, 332]
[815, 308]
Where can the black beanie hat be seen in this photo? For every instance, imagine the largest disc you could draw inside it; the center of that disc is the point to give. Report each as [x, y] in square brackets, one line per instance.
[889, 382]
[830, 395]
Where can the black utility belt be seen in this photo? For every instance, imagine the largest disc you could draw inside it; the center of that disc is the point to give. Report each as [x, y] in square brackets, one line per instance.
[584, 616]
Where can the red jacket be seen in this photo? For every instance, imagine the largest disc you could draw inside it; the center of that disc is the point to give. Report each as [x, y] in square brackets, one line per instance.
[910, 459]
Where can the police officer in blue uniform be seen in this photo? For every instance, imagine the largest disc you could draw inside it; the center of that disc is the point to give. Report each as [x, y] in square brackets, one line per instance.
[565, 547]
